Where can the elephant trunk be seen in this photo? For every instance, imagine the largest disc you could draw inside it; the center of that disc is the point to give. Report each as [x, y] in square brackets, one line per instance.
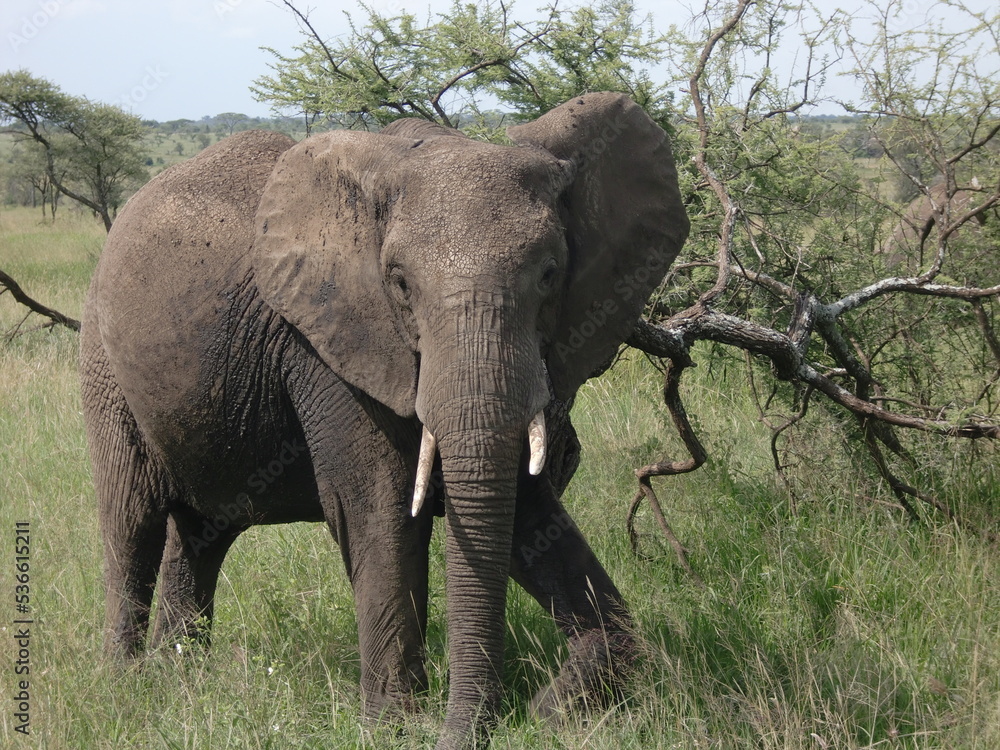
[479, 513]
[482, 382]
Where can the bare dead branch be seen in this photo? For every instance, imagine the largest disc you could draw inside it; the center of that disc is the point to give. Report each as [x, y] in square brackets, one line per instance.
[833, 362]
[900, 489]
[776, 433]
[9, 285]
[907, 284]
[975, 145]
[671, 397]
[910, 285]
[717, 186]
[12, 334]
[702, 323]
[706, 53]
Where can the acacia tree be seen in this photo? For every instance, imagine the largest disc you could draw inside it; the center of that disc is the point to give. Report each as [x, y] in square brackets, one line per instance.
[448, 69]
[229, 121]
[89, 152]
[93, 151]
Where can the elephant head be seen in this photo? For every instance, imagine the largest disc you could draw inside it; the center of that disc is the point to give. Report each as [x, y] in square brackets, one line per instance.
[464, 284]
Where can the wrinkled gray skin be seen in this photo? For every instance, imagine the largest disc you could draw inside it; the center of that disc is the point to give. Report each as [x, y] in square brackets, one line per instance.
[272, 324]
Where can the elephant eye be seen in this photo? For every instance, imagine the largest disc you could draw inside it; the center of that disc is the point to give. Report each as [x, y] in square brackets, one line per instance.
[399, 285]
[548, 279]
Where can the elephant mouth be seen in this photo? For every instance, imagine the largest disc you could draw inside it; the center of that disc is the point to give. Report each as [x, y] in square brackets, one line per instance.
[428, 450]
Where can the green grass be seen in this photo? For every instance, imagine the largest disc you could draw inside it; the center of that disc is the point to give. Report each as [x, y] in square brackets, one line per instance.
[830, 623]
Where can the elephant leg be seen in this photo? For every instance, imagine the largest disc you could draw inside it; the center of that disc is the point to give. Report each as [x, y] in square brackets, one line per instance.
[130, 495]
[189, 572]
[364, 462]
[132, 553]
[386, 557]
[552, 561]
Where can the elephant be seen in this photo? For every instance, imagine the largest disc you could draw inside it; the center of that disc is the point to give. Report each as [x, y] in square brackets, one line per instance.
[376, 330]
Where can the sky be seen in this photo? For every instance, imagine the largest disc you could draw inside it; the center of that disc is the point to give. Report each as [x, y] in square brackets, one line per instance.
[171, 59]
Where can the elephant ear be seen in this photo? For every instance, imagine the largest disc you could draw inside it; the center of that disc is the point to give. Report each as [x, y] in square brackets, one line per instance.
[625, 224]
[316, 258]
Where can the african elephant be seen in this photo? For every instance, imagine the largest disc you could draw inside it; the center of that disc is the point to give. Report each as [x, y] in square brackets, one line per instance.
[371, 330]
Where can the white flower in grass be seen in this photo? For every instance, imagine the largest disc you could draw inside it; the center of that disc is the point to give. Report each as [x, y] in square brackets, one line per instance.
[178, 648]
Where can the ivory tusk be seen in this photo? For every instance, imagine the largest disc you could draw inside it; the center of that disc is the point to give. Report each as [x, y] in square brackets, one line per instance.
[428, 447]
[536, 441]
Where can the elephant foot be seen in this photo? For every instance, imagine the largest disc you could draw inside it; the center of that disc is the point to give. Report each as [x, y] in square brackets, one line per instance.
[385, 710]
[125, 644]
[592, 675]
[393, 704]
[468, 731]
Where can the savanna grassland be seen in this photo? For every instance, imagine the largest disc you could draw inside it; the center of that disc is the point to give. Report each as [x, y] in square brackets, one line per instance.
[830, 622]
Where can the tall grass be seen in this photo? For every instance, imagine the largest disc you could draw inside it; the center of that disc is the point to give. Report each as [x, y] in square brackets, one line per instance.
[831, 624]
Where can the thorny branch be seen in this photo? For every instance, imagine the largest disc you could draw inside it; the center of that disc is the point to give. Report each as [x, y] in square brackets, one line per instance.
[335, 67]
[503, 61]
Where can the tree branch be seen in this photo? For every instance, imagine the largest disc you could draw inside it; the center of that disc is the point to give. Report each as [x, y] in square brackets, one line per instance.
[304, 19]
[701, 323]
[672, 399]
[718, 187]
[9, 285]
[503, 62]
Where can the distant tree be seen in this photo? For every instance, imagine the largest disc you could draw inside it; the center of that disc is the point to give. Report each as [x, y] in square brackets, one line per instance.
[174, 126]
[204, 140]
[229, 122]
[179, 148]
[29, 167]
[88, 151]
[92, 151]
